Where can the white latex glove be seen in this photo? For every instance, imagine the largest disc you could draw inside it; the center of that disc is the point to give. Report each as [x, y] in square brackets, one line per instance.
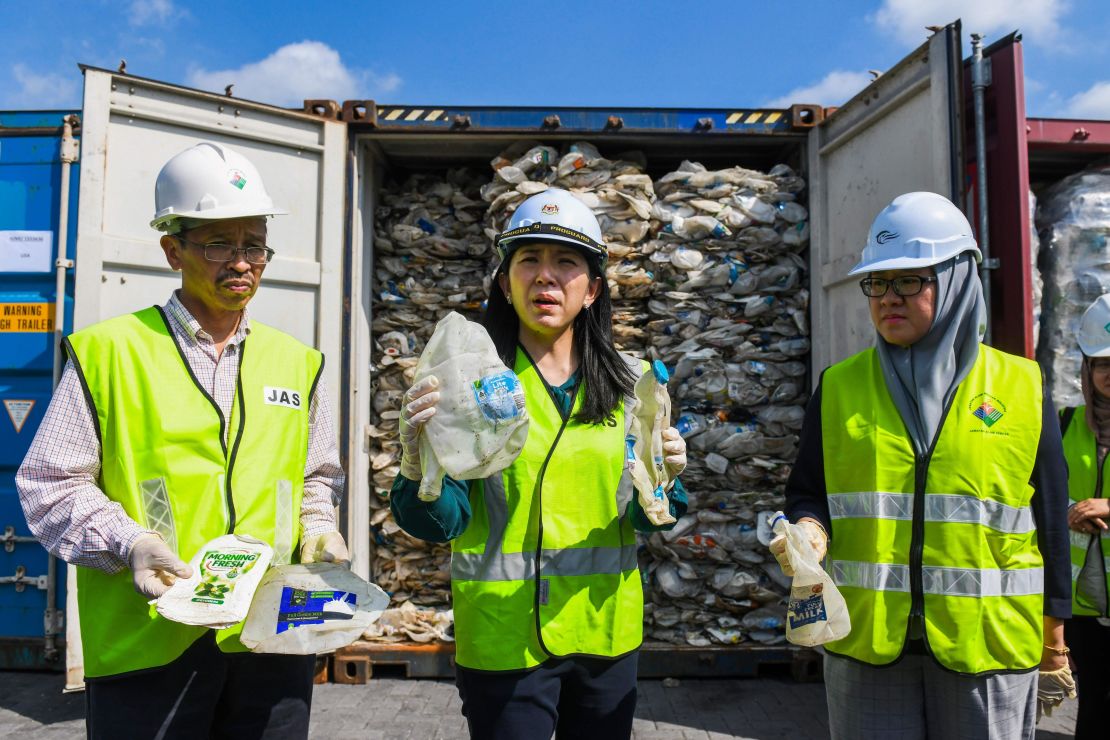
[417, 406]
[328, 547]
[154, 566]
[1052, 688]
[674, 452]
[818, 540]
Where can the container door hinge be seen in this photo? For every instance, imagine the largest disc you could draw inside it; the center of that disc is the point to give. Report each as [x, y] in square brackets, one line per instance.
[9, 538]
[22, 580]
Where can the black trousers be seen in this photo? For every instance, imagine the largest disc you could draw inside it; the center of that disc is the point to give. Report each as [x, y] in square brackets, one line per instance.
[574, 698]
[205, 694]
[1090, 649]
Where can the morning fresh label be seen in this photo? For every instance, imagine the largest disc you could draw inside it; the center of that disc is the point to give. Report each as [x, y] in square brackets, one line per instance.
[499, 396]
[801, 612]
[281, 397]
[219, 569]
[300, 608]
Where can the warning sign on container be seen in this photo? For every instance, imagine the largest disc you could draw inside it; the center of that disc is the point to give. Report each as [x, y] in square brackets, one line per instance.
[29, 317]
[18, 411]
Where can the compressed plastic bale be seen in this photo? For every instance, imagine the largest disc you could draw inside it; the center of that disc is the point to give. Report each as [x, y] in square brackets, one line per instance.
[1074, 222]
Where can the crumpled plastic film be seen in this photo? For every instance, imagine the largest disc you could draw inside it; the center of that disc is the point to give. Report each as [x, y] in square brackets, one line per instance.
[1073, 218]
[431, 256]
[410, 623]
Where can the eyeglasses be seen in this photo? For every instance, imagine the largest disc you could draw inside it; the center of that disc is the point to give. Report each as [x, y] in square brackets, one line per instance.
[906, 285]
[220, 252]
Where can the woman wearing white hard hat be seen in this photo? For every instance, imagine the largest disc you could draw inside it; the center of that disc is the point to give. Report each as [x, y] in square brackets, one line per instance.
[1086, 442]
[933, 463]
[549, 649]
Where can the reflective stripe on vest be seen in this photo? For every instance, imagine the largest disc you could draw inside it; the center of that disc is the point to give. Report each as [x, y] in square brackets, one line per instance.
[948, 536]
[939, 507]
[1091, 593]
[175, 465]
[939, 581]
[585, 597]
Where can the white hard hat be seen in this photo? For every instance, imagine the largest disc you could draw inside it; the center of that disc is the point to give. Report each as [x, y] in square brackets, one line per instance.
[1094, 328]
[554, 215]
[209, 181]
[916, 230]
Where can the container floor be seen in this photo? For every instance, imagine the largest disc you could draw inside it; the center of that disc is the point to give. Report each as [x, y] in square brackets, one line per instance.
[32, 706]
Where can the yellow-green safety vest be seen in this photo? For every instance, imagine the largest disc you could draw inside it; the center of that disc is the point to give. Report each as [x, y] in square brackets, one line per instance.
[547, 566]
[948, 537]
[179, 468]
[1086, 480]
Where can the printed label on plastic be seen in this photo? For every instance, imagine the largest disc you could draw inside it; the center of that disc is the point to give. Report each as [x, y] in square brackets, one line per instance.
[499, 396]
[801, 612]
[300, 608]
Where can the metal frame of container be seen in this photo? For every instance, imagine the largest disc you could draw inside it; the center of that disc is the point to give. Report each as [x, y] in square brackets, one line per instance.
[39, 194]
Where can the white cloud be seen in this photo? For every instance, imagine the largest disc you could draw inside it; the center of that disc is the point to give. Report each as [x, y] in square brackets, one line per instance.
[1094, 102]
[153, 12]
[34, 90]
[1039, 19]
[835, 88]
[309, 69]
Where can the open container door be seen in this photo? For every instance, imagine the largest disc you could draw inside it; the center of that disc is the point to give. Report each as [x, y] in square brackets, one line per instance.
[131, 126]
[900, 134]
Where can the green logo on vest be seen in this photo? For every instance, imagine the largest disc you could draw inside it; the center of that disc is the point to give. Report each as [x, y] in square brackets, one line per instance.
[987, 409]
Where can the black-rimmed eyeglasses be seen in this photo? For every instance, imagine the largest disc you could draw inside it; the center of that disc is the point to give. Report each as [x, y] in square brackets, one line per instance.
[906, 285]
[220, 252]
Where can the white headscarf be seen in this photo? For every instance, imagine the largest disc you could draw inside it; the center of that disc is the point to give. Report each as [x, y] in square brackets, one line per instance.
[923, 377]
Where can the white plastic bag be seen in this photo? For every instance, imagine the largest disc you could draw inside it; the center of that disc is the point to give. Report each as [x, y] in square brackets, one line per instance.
[309, 608]
[226, 573]
[816, 612]
[644, 445]
[481, 423]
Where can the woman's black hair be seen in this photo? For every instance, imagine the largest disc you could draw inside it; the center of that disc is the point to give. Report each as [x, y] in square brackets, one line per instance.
[606, 376]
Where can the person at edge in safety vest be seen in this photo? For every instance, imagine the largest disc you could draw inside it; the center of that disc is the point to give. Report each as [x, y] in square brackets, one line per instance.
[164, 433]
[548, 649]
[935, 466]
[1086, 432]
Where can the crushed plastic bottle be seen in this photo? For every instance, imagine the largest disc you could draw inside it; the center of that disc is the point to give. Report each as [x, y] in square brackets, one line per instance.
[481, 422]
[226, 573]
[651, 416]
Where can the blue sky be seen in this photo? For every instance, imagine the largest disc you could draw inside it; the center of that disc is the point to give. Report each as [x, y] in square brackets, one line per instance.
[617, 53]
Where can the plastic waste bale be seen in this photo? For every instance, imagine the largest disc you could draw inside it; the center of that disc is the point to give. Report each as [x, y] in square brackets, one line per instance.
[409, 622]
[431, 255]
[728, 315]
[481, 422]
[1073, 218]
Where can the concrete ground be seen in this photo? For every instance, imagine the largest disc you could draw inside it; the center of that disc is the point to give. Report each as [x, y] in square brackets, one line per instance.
[32, 706]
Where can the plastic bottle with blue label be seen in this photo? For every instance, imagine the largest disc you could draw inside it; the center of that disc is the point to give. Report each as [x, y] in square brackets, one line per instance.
[481, 422]
[816, 612]
[644, 445]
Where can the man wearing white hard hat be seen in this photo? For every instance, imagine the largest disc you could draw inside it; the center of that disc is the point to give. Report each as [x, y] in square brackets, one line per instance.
[172, 426]
[930, 469]
[1086, 442]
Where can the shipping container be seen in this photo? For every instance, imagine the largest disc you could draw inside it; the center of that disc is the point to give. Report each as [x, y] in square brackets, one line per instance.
[908, 130]
[38, 221]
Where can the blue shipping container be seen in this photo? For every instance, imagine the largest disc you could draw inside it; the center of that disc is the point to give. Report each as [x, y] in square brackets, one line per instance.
[30, 190]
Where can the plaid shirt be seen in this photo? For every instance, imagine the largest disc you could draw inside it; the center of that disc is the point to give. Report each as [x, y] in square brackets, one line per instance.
[72, 517]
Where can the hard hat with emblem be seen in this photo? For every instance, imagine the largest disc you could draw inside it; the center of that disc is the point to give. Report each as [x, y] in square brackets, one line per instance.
[209, 181]
[1094, 328]
[554, 215]
[916, 230]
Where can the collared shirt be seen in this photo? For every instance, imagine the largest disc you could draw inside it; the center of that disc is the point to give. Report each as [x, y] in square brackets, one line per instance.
[78, 523]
